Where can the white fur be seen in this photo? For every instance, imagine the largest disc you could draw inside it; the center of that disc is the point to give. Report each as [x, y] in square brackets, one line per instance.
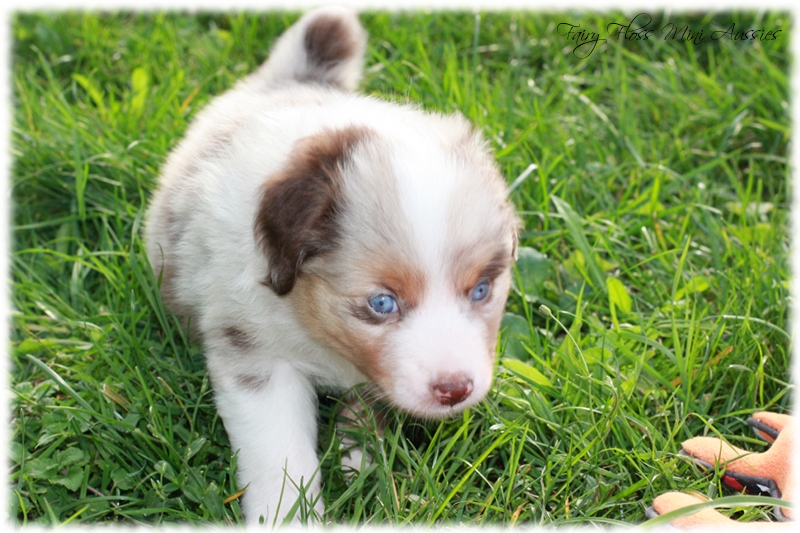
[278, 463]
[419, 190]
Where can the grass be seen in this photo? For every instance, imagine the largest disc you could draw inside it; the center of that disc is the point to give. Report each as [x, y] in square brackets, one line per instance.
[651, 294]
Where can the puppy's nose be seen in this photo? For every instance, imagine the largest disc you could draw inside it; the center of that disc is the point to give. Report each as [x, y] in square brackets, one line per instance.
[452, 390]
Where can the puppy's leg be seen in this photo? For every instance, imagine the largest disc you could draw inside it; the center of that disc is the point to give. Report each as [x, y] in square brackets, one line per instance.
[354, 413]
[271, 422]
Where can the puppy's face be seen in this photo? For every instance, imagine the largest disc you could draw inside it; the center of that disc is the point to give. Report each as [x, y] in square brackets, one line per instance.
[396, 252]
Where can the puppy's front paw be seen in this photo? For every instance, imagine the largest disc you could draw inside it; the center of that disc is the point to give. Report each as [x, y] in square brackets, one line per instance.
[355, 416]
[354, 458]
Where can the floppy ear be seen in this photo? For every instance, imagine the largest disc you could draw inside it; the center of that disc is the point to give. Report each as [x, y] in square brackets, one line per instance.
[296, 215]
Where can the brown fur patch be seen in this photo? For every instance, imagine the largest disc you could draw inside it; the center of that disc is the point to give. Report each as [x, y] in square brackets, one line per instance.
[406, 282]
[472, 266]
[328, 41]
[400, 280]
[325, 315]
[296, 217]
[237, 337]
[251, 382]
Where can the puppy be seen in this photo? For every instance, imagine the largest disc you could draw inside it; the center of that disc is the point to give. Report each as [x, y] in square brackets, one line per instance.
[316, 238]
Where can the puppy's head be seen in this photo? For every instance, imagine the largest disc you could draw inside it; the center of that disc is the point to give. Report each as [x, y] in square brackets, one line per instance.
[395, 250]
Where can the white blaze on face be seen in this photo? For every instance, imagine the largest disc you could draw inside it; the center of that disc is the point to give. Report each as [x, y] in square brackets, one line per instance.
[441, 357]
[427, 179]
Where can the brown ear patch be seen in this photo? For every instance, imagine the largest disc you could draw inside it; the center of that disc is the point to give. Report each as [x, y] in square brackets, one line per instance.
[296, 216]
[328, 41]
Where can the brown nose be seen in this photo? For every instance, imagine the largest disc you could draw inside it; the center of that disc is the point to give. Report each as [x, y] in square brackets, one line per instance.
[452, 390]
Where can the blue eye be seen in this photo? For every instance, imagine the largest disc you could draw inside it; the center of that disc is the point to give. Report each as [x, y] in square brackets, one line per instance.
[383, 304]
[480, 291]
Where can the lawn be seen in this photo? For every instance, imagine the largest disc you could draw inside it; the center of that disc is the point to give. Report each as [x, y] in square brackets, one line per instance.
[651, 292]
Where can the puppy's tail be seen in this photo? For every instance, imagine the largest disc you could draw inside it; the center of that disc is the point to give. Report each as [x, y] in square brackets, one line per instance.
[325, 46]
